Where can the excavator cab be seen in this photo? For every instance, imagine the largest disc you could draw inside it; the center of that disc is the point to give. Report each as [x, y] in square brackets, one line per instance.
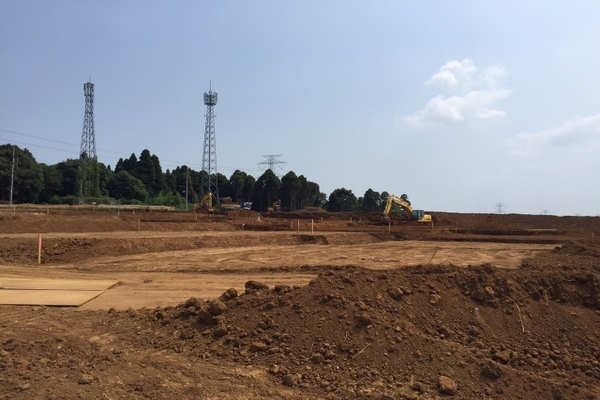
[420, 216]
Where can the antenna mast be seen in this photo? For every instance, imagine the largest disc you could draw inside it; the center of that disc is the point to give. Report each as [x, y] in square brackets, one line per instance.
[209, 182]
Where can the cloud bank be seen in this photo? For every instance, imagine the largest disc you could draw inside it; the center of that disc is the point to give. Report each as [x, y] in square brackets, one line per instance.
[577, 131]
[476, 92]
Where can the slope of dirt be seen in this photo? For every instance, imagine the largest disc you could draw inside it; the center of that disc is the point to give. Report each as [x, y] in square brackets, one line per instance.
[413, 333]
[88, 234]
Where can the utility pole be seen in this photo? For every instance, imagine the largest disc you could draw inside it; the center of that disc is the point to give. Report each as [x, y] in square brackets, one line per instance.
[187, 178]
[545, 211]
[12, 176]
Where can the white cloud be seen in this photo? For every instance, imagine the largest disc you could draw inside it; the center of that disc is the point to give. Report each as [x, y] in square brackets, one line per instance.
[494, 75]
[472, 106]
[478, 93]
[577, 131]
[452, 73]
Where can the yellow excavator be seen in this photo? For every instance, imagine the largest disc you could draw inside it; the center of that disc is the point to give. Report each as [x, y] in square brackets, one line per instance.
[276, 206]
[205, 203]
[411, 214]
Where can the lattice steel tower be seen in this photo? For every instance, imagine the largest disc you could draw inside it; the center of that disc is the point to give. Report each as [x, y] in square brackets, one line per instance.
[271, 162]
[209, 181]
[87, 155]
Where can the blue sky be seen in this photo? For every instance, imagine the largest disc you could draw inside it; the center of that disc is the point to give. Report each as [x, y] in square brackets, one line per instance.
[459, 104]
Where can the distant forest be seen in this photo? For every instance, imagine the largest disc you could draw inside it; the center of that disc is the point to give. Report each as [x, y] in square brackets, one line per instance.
[141, 180]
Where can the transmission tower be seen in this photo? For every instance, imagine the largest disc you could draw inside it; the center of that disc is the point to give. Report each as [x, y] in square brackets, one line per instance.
[271, 162]
[87, 154]
[500, 206]
[209, 182]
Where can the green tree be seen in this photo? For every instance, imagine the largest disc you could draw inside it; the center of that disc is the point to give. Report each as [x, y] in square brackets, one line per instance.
[170, 181]
[248, 188]
[127, 164]
[124, 186]
[193, 182]
[145, 171]
[371, 200]
[68, 170]
[52, 182]
[266, 191]
[223, 185]
[169, 198]
[309, 194]
[28, 179]
[342, 200]
[383, 200]
[104, 175]
[194, 185]
[236, 185]
[290, 191]
[159, 179]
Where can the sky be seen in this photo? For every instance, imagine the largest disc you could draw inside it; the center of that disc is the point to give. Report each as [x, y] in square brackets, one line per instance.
[465, 106]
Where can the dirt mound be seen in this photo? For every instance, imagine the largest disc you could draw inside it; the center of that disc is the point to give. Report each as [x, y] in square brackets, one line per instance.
[577, 249]
[367, 334]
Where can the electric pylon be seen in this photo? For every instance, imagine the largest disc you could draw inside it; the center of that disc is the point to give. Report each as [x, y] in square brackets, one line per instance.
[500, 206]
[209, 182]
[88, 162]
[272, 161]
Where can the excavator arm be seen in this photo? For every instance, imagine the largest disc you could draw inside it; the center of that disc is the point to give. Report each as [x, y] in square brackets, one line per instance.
[399, 201]
[206, 202]
[276, 206]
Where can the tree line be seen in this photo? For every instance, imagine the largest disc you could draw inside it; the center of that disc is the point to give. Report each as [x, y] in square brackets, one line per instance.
[141, 180]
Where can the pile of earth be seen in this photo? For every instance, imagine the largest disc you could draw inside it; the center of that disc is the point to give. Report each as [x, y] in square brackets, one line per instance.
[423, 332]
[411, 333]
[408, 333]
[569, 254]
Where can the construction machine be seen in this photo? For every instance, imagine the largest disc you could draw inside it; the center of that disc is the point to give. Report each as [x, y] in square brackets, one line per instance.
[205, 203]
[411, 214]
[236, 206]
[276, 206]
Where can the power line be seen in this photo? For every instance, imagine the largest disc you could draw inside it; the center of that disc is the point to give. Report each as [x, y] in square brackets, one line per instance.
[102, 151]
[38, 137]
[36, 145]
[55, 141]
[122, 154]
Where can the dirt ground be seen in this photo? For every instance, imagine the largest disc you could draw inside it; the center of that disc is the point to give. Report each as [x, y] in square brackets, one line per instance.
[308, 305]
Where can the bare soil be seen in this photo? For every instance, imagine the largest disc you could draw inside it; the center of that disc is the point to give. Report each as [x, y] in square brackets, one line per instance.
[304, 306]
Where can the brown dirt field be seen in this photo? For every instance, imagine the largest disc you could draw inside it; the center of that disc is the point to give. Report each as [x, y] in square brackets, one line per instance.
[478, 307]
